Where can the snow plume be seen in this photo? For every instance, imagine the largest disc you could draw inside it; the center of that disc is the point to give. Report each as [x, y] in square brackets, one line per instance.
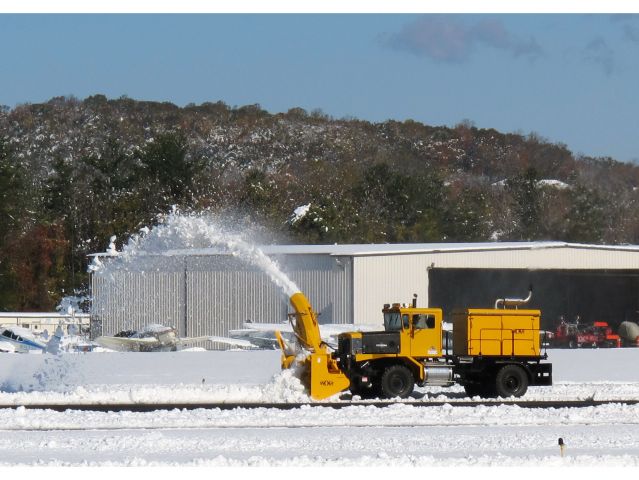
[50, 373]
[177, 231]
[111, 250]
[286, 386]
[72, 303]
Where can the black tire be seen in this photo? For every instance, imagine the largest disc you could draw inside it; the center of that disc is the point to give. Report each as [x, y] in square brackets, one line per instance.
[572, 344]
[397, 381]
[511, 381]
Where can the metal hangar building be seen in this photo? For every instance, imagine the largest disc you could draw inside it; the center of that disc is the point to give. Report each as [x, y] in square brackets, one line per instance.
[205, 292]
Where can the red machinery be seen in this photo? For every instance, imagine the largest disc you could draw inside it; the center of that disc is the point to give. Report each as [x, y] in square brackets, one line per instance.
[574, 335]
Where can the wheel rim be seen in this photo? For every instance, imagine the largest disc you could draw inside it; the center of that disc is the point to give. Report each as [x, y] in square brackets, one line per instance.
[397, 383]
[512, 383]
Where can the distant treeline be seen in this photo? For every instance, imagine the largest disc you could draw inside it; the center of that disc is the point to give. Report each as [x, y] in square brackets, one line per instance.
[73, 173]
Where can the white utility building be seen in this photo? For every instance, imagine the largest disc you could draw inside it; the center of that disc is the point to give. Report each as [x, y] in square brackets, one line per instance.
[38, 322]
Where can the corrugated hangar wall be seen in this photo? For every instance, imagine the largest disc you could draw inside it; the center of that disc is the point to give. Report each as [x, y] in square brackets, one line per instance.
[384, 279]
[131, 299]
[212, 294]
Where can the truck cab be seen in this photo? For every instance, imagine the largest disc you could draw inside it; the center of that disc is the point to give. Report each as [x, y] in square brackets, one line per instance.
[420, 329]
[388, 363]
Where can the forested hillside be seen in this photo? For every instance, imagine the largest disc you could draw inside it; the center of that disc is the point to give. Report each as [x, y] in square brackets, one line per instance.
[74, 172]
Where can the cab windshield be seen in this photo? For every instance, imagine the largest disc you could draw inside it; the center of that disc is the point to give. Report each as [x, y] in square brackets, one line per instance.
[392, 322]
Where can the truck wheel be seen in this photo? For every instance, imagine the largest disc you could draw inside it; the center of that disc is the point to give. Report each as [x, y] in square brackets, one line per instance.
[511, 381]
[572, 344]
[397, 381]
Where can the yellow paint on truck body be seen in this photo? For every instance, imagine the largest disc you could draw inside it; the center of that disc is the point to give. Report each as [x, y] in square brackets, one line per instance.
[420, 338]
[496, 332]
[326, 379]
[420, 334]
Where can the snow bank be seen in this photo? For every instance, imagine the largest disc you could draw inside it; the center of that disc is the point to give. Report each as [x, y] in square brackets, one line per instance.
[255, 376]
[61, 372]
[404, 434]
[399, 435]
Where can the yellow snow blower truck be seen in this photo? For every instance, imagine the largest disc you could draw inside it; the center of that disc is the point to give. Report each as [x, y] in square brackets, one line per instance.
[496, 352]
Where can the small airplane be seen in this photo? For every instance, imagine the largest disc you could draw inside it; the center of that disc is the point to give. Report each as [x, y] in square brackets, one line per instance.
[262, 335]
[258, 335]
[236, 342]
[15, 339]
[152, 338]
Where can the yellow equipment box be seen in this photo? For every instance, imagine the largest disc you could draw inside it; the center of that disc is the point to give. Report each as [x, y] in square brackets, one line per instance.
[496, 332]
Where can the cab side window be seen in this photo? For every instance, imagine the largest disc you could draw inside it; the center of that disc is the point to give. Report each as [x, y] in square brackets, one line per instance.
[421, 321]
[405, 321]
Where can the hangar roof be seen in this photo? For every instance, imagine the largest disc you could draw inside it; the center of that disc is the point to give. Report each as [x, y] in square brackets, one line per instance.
[408, 248]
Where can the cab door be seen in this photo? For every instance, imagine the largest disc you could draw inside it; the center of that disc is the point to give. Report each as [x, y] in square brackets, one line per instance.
[426, 333]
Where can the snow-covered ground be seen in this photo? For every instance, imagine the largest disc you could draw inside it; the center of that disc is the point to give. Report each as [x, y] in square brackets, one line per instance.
[406, 434]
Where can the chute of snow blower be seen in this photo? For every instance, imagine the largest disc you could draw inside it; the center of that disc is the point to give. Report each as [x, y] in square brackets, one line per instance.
[324, 377]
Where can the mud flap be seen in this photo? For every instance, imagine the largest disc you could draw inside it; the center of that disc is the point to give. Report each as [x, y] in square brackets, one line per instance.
[325, 378]
[542, 374]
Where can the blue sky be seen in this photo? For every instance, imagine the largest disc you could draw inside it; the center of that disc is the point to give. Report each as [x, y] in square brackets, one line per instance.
[570, 78]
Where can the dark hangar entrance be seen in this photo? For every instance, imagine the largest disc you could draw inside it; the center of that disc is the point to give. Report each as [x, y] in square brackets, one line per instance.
[595, 295]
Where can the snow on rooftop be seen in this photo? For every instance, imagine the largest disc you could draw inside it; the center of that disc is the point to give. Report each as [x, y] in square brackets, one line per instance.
[403, 248]
[547, 182]
[553, 183]
[23, 332]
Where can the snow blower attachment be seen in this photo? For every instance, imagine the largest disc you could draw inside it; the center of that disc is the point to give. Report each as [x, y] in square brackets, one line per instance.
[323, 376]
